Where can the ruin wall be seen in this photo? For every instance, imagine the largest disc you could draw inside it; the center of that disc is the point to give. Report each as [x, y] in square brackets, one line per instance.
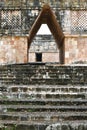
[14, 49]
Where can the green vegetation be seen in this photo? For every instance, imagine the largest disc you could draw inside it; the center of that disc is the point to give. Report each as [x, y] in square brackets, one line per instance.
[13, 127]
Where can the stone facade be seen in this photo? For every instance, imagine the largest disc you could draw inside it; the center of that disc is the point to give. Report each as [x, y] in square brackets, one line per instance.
[19, 22]
[75, 48]
[16, 23]
[46, 45]
[14, 49]
[46, 57]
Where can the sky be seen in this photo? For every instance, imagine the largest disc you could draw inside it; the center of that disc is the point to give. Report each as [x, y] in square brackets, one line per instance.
[44, 30]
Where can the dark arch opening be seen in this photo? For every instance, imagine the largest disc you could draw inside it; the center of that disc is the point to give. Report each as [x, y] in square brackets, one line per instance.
[38, 57]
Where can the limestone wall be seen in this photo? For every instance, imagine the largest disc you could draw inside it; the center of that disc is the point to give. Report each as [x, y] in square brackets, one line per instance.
[75, 48]
[46, 57]
[46, 45]
[13, 49]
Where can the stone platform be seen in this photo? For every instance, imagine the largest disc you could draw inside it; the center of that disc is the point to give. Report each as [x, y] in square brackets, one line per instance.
[43, 97]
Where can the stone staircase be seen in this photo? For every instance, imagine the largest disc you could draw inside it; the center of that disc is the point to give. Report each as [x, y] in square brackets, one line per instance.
[43, 97]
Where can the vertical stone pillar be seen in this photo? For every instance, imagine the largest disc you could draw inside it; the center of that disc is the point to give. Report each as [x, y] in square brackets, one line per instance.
[62, 53]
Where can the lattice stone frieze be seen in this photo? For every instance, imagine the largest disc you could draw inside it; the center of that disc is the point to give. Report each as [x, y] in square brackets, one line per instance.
[10, 20]
[79, 21]
[18, 19]
[59, 3]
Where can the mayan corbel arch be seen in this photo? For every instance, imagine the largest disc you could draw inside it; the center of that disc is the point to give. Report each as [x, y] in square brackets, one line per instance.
[47, 16]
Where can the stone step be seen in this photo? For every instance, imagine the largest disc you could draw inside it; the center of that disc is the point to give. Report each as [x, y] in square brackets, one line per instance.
[41, 65]
[44, 88]
[45, 74]
[44, 95]
[45, 125]
[16, 101]
[42, 81]
[42, 108]
[50, 72]
[57, 67]
[72, 124]
[43, 91]
[59, 71]
[43, 116]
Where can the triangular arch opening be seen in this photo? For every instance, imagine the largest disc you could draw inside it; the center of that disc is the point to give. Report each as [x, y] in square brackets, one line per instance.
[44, 30]
[43, 47]
[47, 16]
